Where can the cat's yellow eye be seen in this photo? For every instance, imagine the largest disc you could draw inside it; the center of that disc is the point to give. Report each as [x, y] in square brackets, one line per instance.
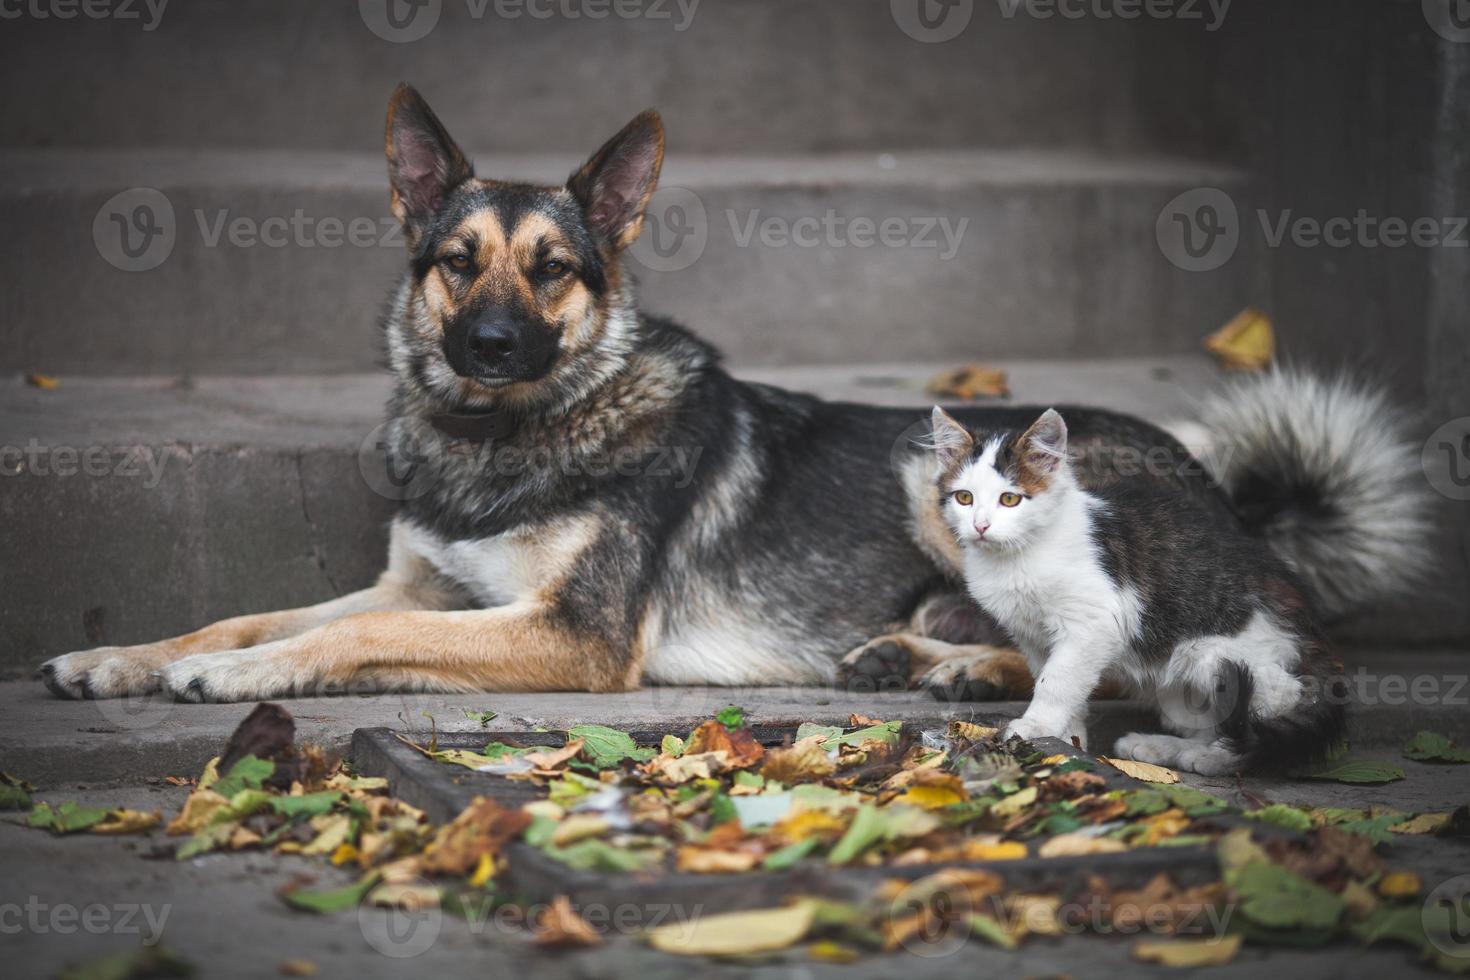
[964, 498]
[1009, 499]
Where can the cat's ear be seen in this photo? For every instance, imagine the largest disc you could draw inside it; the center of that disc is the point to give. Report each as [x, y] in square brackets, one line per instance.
[1043, 447]
[947, 437]
[424, 164]
[615, 185]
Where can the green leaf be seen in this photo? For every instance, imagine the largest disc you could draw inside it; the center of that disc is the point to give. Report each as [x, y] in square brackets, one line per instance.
[731, 717]
[1359, 771]
[309, 804]
[886, 731]
[598, 855]
[67, 818]
[145, 961]
[332, 899]
[1434, 747]
[540, 832]
[871, 825]
[248, 773]
[992, 932]
[1274, 897]
[673, 745]
[1144, 802]
[1076, 764]
[483, 717]
[1375, 829]
[790, 854]
[744, 777]
[1194, 803]
[499, 750]
[806, 730]
[1283, 815]
[722, 809]
[14, 798]
[606, 747]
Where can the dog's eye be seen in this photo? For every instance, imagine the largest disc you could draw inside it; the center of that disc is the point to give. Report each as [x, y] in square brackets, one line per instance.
[458, 261]
[553, 269]
[964, 498]
[1009, 499]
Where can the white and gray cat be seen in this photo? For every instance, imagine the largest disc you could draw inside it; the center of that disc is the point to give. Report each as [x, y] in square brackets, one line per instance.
[1158, 589]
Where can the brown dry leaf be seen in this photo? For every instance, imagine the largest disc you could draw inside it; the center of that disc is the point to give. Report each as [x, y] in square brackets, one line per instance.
[1246, 343]
[562, 928]
[243, 837]
[1162, 826]
[740, 747]
[179, 780]
[579, 826]
[1036, 914]
[736, 933]
[1361, 902]
[127, 822]
[1146, 771]
[799, 763]
[484, 827]
[704, 860]
[1067, 785]
[681, 769]
[411, 896]
[1189, 954]
[43, 381]
[1080, 845]
[198, 810]
[808, 823]
[550, 759]
[971, 731]
[1424, 823]
[1160, 904]
[969, 383]
[297, 968]
[856, 720]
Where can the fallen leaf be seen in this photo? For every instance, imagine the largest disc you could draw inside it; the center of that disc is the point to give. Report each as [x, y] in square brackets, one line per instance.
[1424, 823]
[549, 759]
[969, 383]
[1246, 343]
[740, 747]
[1400, 884]
[1359, 771]
[45, 382]
[970, 731]
[731, 717]
[1189, 954]
[803, 761]
[1433, 747]
[132, 964]
[827, 951]
[871, 825]
[1015, 803]
[562, 928]
[606, 747]
[1145, 771]
[994, 850]
[411, 896]
[65, 818]
[704, 860]
[1282, 815]
[736, 933]
[127, 822]
[297, 968]
[579, 826]
[1079, 845]
[333, 899]
[1036, 914]
[484, 827]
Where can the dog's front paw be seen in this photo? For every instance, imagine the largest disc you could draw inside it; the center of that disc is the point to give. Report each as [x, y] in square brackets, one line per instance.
[979, 674]
[107, 672]
[234, 675]
[881, 664]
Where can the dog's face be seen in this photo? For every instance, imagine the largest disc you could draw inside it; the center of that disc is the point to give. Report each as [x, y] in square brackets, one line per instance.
[513, 287]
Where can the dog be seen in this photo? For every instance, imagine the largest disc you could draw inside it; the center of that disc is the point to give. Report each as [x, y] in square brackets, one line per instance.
[605, 506]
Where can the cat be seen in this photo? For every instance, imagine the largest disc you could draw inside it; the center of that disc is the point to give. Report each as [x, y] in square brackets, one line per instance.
[1160, 591]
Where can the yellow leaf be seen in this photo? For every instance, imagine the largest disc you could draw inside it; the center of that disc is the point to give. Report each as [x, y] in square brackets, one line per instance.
[579, 826]
[1399, 884]
[930, 797]
[1055, 760]
[332, 831]
[1361, 901]
[1079, 845]
[1037, 914]
[43, 381]
[970, 731]
[808, 823]
[344, 854]
[984, 850]
[1162, 826]
[1189, 953]
[1424, 823]
[483, 871]
[1015, 803]
[408, 895]
[199, 809]
[1146, 771]
[756, 931]
[704, 860]
[1246, 343]
[828, 951]
[297, 968]
[970, 382]
[127, 822]
[462, 757]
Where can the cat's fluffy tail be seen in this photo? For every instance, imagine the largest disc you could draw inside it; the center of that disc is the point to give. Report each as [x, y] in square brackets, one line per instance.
[1323, 469]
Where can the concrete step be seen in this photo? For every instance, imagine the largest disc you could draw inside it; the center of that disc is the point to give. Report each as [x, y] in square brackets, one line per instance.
[278, 261]
[535, 75]
[132, 509]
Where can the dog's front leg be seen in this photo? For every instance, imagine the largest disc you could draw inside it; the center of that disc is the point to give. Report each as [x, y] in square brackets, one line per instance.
[409, 582]
[525, 646]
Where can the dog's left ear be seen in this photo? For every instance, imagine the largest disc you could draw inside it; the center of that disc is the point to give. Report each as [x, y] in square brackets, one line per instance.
[616, 184]
[424, 164]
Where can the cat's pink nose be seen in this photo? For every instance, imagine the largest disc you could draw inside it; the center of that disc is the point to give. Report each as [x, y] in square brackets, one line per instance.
[981, 527]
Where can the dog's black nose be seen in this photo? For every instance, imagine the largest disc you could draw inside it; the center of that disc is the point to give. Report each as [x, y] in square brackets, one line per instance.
[493, 342]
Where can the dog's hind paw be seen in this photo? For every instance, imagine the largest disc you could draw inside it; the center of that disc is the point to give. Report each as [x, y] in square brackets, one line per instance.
[107, 672]
[883, 664]
[979, 674]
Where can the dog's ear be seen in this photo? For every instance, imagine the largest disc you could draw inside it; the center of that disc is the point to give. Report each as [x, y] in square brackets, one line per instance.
[424, 165]
[949, 439]
[615, 185]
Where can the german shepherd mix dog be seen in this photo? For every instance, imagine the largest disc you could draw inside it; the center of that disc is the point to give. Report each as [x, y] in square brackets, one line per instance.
[605, 506]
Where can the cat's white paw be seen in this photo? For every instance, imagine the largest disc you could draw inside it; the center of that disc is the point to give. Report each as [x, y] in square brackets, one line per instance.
[1029, 728]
